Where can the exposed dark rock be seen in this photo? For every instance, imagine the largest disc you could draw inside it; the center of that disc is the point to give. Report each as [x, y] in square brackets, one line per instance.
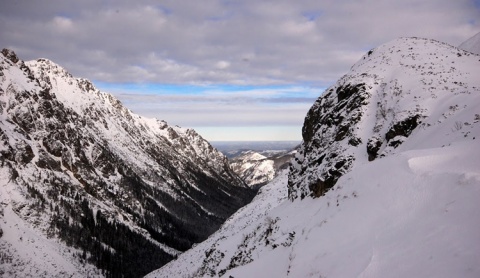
[318, 188]
[330, 121]
[309, 124]
[355, 141]
[47, 162]
[10, 55]
[24, 153]
[342, 132]
[53, 146]
[349, 90]
[373, 146]
[403, 128]
[396, 141]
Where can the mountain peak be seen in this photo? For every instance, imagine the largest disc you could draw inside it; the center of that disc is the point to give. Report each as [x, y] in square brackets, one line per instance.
[10, 55]
[45, 69]
[372, 110]
[78, 171]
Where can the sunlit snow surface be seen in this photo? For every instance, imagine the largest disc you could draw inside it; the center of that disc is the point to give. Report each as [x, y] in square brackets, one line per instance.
[412, 213]
[408, 215]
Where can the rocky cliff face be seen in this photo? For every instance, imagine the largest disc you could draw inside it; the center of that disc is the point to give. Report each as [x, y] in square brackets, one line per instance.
[126, 192]
[374, 108]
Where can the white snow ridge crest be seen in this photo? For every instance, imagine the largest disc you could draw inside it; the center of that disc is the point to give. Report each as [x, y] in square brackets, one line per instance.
[386, 183]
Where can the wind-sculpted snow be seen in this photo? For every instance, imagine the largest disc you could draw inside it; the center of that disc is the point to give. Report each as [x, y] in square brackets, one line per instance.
[100, 183]
[472, 44]
[398, 138]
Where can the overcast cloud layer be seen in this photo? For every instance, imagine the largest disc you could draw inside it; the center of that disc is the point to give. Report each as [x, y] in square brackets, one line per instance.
[220, 42]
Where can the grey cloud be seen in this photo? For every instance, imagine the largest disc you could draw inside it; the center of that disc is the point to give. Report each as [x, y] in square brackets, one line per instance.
[214, 110]
[204, 99]
[263, 42]
[227, 116]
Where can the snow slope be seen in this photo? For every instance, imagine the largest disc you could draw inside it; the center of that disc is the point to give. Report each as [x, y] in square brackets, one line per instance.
[415, 221]
[403, 87]
[223, 244]
[405, 207]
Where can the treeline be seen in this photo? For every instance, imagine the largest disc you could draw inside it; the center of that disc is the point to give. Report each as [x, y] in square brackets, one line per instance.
[110, 245]
[116, 248]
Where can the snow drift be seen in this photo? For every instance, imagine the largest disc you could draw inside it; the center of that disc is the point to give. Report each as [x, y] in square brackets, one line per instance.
[472, 44]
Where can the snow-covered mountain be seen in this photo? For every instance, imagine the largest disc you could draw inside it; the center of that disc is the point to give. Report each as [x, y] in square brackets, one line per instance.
[386, 183]
[370, 112]
[472, 44]
[88, 188]
[257, 169]
[232, 149]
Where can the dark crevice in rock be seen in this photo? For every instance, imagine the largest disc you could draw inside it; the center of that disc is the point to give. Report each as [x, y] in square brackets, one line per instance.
[403, 128]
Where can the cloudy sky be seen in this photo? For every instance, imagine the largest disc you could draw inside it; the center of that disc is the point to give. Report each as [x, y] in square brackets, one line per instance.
[233, 70]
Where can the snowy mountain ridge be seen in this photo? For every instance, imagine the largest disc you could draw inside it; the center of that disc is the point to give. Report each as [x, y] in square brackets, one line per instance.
[372, 110]
[257, 169]
[94, 188]
[386, 183]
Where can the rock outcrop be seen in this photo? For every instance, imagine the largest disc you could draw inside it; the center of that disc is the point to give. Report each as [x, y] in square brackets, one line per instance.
[374, 108]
